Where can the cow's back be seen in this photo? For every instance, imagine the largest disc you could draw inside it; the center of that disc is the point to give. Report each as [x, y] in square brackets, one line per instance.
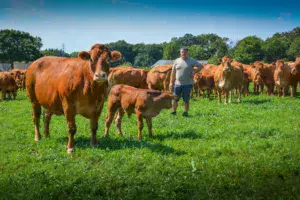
[49, 79]
[158, 75]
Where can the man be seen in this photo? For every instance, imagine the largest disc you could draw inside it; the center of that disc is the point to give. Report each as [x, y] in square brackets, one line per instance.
[182, 76]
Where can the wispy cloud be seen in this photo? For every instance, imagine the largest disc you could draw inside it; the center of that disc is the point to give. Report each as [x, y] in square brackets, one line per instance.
[284, 16]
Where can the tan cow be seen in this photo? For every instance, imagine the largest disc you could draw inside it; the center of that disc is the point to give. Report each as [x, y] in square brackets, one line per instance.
[70, 86]
[158, 78]
[128, 76]
[228, 77]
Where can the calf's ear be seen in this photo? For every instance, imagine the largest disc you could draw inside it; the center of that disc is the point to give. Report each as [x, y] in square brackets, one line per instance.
[174, 97]
[220, 60]
[84, 55]
[115, 55]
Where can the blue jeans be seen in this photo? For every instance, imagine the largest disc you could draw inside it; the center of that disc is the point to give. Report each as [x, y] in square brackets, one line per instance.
[185, 90]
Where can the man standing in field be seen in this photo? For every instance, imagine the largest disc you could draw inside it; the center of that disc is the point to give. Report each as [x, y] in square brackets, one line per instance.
[181, 82]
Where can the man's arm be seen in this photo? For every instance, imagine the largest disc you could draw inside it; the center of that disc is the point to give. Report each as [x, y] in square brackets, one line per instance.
[199, 67]
[172, 79]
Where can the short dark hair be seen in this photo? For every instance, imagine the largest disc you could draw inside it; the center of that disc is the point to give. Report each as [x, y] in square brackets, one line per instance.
[184, 48]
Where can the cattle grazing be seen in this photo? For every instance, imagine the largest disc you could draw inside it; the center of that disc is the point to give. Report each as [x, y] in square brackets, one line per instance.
[128, 76]
[158, 78]
[70, 86]
[145, 103]
[228, 77]
[265, 73]
[8, 85]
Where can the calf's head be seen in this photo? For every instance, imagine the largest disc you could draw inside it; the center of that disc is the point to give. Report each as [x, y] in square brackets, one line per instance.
[100, 58]
[164, 101]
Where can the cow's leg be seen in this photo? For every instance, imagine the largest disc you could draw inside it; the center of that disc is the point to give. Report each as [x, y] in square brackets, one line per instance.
[293, 90]
[69, 112]
[226, 97]
[219, 96]
[140, 124]
[36, 114]
[94, 128]
[47, 118]
[9, 96]
[149, 124]
[208, 93]
[14, 94]
[118, 120]
[240, 94]
[230, 95]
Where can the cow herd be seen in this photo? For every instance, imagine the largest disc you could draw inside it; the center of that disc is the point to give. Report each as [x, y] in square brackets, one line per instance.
[70, 86]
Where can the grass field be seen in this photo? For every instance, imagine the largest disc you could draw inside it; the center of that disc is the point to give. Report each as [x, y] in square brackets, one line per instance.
[237, 151]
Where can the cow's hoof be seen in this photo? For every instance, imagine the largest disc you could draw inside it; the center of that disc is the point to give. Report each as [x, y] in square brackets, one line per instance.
[37, 138]
[94, 143]
[239, 101]
[71, 150]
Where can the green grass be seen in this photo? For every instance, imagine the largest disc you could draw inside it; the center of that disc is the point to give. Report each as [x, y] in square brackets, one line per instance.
[237, 151]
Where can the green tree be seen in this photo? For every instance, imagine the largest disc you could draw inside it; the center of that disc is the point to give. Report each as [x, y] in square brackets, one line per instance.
[125, 48]
[143, 60]
[197, 52]
[274, 49]
[18, 46]
[55, 52]
[171, 51]
[249, 50]
[294, 50]
[74, 54]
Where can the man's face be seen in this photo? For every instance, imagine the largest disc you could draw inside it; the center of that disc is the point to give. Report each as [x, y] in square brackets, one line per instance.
[183, 54]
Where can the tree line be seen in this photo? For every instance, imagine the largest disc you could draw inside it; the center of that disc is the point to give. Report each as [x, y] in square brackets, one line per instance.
[20, 46]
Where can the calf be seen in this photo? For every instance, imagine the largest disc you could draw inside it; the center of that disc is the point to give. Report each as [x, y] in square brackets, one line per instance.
[144, 103]
[204, 81]
[295, 76]
[228, 77]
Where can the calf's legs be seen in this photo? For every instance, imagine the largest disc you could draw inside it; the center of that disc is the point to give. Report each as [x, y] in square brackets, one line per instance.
[149, 124]
[47, 118]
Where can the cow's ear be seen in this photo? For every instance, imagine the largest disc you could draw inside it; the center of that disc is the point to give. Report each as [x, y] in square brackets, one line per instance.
[220, 60]
[174, 96]
[115, 55]
[84, 55]
[12, 74]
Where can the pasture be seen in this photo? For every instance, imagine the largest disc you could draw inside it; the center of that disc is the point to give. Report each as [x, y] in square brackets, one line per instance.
[237, 151]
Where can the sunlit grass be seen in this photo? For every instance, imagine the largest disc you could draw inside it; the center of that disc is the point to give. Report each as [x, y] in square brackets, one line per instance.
[237, 151]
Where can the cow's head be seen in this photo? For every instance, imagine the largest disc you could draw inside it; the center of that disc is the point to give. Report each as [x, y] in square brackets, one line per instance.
[279, 64]
[226, 66]
[100, 58]
[259, 69]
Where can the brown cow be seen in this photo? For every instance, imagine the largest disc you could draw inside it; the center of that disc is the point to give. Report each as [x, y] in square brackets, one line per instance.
[295, 77]
[158, 78]
[8, 85]
[128, 76]
[144, 103]
[265, 73]
[245, 88]
[282, 77]
[70, 86]
[228, 77]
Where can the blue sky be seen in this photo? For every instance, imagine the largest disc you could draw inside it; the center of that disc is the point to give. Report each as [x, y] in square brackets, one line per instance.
[80, 24]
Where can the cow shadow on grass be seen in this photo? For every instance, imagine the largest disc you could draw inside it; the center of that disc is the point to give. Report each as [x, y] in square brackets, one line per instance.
[256, 101]
[112, 144]
[176, 135]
